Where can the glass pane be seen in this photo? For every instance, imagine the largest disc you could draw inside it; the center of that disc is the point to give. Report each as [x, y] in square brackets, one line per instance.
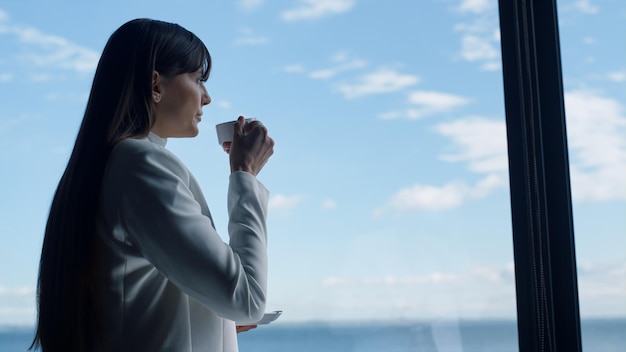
[594, 71]
[389, 217]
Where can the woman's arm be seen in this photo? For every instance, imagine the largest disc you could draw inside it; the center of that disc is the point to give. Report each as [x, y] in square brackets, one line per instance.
[161, 217]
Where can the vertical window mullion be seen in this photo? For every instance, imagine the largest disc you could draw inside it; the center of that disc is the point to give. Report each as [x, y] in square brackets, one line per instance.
[545, 266]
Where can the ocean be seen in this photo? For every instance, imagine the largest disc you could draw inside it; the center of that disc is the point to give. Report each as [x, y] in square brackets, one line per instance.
[599, 335]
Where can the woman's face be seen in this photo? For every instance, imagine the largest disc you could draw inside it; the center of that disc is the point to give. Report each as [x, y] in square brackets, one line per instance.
[178, 104]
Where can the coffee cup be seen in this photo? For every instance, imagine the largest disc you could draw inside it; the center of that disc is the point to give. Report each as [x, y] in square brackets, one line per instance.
[225, 133]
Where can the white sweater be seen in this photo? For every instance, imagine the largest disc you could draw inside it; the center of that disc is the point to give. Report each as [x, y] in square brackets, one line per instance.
[167, 281]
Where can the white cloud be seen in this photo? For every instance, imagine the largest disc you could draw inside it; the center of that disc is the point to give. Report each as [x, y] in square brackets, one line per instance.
[314, 9]
[585, 6]
[437, 198]
[480, 25]
[250, 4]
[78, 98]
[7, 123]
[391, 280]
[502, 274]
[331, 72]
[602, 288]
[428, 103]
[479, 141]
[293, 68]
[596, 127]
[52, 51]
[342, 62]
[6, 77]
[587, 268]
[249, 38]
[322, 74]
[18, 305]
[494, 273]
[426, 197]
[480, 38]
[41, 77]
[488, 184]
[476, 6]
[491, 66]
[340, 56]
[334, 281]
[617, 76]
[382, 81]
[329, 204]
[23, 291]
[3, 16]
[589, 40]
[283, 204]
[436, 100]
[480, 48]
[474, 291]
[224, 104]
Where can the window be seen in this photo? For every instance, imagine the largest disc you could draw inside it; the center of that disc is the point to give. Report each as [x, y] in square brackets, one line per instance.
[594, 83]
[390, 222]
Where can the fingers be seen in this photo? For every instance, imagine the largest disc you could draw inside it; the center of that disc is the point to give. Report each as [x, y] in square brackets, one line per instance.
[244, 126]
[251, 147]
[253, 130]
[254, 124]
[244, 328]
[226, 146]
[239, 126]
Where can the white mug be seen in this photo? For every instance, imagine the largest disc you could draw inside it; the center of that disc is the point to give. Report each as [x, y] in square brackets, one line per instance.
[225, 132]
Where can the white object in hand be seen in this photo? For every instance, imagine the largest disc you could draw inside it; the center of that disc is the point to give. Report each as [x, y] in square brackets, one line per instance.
[225, 131]
[269, 317]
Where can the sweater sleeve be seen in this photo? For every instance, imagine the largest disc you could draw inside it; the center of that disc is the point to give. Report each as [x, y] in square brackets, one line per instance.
[163, 220]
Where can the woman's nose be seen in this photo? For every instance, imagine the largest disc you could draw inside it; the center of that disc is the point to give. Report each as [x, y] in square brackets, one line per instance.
[206, 98]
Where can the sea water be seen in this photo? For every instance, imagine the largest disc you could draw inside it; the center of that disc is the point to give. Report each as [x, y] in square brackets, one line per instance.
[600, 335]
[443, 336]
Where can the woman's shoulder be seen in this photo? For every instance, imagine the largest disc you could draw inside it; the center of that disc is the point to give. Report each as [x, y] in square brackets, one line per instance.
[133, 150]
[139, 148]
[134, 153]
[136, 145]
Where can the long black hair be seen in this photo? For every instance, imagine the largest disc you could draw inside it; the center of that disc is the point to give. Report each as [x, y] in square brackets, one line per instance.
[119, 106]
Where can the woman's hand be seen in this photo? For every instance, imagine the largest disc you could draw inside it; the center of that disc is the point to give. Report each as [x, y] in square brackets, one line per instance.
[251, 147]
[244, 328]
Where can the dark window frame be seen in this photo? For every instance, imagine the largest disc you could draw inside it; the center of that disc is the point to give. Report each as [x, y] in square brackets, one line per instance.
[541, 207]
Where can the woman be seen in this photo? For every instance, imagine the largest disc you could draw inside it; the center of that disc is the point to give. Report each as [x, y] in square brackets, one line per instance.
[131, 260]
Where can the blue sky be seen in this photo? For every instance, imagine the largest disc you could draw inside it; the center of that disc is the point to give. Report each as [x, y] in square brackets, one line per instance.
[389, 180]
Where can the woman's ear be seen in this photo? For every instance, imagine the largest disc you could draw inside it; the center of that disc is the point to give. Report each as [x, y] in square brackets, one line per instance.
[156, 87]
